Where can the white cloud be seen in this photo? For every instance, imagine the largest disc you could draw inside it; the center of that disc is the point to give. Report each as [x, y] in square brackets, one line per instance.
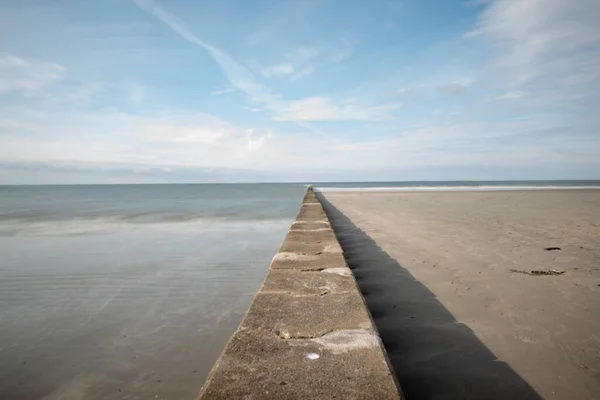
[223, 91]
[27, 76]
[190, 139]
[257, 142]
[543, 39]
[173, 138]
[184, 127]
[511, 143]
[177, 133]
[512, 95]
[279, 70]
[323, 109]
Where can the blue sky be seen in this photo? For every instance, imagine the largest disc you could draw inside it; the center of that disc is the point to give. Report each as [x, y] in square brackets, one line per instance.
[235, 90]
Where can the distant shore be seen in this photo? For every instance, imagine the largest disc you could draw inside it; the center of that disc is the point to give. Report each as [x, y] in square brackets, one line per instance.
[480, 294]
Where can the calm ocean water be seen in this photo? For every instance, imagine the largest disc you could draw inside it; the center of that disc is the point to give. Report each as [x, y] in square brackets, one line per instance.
[129, 291]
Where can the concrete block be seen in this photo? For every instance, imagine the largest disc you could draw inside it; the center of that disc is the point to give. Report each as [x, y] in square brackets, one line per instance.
[311, 242]
[307, 262]
[302, 283]
[311, 213]
[311, 226]
[308, 316]
[258, 364]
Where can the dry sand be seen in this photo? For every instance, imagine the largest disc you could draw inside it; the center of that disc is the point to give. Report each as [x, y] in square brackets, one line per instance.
[435, 270]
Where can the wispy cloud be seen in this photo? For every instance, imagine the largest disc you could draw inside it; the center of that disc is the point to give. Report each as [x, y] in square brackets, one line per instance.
[220, 92]
[543, 39]
[546, 59]
[19, 74]
[304, 60]
[279, 70]
[240, 77]
[47, 84]
[324, 109]
[288, 70]
[512, 95]
[310, 109]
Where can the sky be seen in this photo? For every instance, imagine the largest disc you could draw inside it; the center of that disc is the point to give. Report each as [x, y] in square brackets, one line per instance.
[141, 91]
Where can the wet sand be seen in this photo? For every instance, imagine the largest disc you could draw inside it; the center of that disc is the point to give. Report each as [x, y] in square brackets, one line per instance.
[440, 274]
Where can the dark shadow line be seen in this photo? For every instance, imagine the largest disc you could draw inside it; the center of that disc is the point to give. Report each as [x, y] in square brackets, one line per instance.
[434, 356]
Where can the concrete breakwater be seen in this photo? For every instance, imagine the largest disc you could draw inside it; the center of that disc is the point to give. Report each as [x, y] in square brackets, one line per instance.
[308, 333]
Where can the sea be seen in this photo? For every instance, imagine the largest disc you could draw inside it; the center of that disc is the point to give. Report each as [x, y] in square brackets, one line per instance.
[132, 291]
[129, 291]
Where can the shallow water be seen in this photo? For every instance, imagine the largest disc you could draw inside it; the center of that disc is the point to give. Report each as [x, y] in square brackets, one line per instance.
[129, 291]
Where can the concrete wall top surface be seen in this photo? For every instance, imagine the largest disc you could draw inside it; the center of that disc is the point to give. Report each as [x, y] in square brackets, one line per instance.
[308, 333]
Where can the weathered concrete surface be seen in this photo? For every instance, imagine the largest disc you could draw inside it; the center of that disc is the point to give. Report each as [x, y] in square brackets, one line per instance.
[294, 282]
[310, 226]
[311, 242]
[308, 333]
[257, 366]
[310, 197]
[308, 262]
[311, 213]
[308, 316]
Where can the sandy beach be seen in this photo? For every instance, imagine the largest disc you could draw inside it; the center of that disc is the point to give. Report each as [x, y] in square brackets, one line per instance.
[452, 281]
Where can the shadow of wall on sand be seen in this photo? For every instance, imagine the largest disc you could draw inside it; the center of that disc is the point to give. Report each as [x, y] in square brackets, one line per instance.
[434, 356]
